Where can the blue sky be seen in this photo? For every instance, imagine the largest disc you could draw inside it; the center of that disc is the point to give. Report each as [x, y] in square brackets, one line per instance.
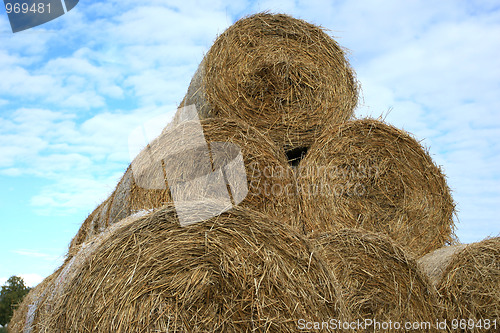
[73, 89]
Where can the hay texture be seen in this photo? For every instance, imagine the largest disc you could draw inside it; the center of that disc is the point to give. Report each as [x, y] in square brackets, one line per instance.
[470, 284]
[115, 208]
[237, 272]
[270, 183]
[282, 75]
[368, 174]
[380, 281]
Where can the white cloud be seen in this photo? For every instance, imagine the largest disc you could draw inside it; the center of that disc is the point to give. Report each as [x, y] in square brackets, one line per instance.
[35, 254]
[30, 279]
[84, 162]
[74, 193]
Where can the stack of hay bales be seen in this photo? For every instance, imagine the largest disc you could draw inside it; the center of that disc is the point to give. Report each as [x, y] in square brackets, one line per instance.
[337, 211]
[270, 180]
[283, 78]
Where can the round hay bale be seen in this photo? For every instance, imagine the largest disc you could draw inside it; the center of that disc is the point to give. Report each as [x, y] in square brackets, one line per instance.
[120, 206]
[368, 174]
[470, 285]
[237, 272]
[94, 224]
[433, 264]
[282, 75]
[380, 281]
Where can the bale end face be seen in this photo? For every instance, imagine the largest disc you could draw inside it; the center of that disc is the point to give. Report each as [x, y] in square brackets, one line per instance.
[371, 175]
[380, 281]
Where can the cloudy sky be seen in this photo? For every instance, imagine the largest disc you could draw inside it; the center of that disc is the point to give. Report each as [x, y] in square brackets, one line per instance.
[73, 89]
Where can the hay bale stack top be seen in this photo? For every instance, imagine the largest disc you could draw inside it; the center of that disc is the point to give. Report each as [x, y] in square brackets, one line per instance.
[284, 76]
[379, 279]
[237, 272]
[371, 175]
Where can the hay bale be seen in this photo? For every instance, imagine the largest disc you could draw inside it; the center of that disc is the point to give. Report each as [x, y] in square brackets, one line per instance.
[368, 174]
[282, 75]
[120, 206]
[236, 272]
[380, 280]
[470, 284]
[88, 228]
[434, 263]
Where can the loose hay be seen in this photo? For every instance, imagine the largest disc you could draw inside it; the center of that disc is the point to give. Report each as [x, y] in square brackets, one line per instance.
[237, 272]
[284, 76]
[89, 228]
[371, 175]
[380, 281]
[470, 285]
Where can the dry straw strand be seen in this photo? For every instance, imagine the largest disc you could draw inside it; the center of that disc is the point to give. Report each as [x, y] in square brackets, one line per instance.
[368, 174]
[282, 75]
